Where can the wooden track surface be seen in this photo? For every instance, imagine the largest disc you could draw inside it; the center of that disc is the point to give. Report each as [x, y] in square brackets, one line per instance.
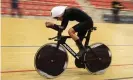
[21, 38]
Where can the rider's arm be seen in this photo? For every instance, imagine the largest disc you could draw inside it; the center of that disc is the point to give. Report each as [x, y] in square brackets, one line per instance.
[64, 22]
[63, 25]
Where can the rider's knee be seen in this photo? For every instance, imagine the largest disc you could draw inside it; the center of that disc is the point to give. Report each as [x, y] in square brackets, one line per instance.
[71, 31]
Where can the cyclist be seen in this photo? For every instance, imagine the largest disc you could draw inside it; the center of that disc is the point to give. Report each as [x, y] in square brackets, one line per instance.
[66, 14]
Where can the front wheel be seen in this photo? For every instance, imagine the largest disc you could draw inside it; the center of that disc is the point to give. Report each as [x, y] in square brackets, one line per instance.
[99, 62]
[50, 61]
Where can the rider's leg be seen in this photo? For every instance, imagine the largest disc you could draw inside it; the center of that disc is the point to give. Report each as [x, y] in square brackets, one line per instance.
[72, 34]
[81, 35]
[81, 28]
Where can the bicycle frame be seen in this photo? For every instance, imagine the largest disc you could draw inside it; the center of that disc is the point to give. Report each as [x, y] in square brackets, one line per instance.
[62, 40]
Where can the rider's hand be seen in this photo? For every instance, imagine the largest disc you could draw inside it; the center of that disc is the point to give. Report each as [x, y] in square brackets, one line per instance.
[49, 24]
